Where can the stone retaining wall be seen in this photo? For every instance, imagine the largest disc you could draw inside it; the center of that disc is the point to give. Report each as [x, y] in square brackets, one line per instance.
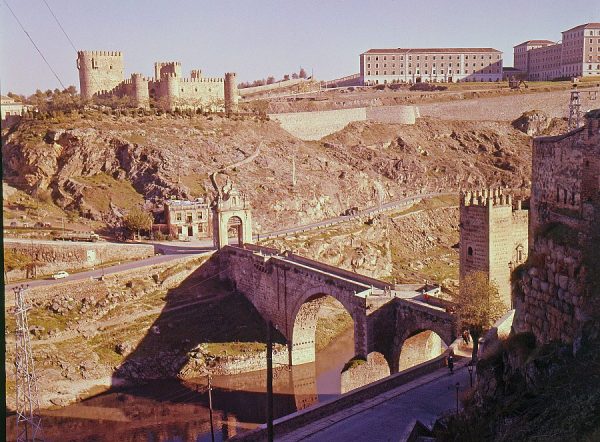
[74, 255]
[316, 125]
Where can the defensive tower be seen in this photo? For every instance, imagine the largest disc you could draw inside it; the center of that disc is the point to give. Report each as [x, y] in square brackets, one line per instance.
[167, 68]
[493, 236]
[231, 93]
[99, 71]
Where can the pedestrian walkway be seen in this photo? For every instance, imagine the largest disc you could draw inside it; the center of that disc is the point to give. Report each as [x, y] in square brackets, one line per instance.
[390, 416]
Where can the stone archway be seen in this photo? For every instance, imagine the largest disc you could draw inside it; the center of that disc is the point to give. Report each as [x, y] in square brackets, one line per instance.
[235, 230]
[304, 331]
[418, 347]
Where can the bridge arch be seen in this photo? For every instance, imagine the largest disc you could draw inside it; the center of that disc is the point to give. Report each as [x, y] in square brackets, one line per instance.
[421, 346]
[304, 320]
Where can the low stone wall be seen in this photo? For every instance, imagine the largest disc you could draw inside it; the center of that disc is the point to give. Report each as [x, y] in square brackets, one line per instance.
[270, 87]
[302, 418]
[318, 124]
[59, 255]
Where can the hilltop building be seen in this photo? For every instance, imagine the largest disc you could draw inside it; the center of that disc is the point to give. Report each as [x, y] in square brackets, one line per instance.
[493, 237]
[101, 74]
[12, 111]
[380, 66]
[577, 55]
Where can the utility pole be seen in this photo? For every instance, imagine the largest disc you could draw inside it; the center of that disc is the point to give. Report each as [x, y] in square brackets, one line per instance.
[269, 382]
[294, 171]
[574, 109]
[29, 423]
[210, 409]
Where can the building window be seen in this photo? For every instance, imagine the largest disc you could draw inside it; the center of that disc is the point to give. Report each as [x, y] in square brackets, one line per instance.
[178, 217]
[470, 251]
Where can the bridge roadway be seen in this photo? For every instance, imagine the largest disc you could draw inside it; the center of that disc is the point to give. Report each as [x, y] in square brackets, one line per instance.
[390, 416]
[171, 250]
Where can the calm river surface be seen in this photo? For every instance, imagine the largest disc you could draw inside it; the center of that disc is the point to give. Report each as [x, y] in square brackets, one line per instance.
[178, 411]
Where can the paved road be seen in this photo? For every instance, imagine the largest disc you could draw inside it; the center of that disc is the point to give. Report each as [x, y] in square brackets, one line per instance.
[107, 270]
[390, 416]
[174, 250]
[371, 210]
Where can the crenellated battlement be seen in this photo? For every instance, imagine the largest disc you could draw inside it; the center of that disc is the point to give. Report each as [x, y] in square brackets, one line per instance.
[203, 80]
[101, 74]
[99, 53]
[488, 198]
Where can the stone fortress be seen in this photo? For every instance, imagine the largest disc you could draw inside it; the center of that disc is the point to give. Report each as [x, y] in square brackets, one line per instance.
[101, 74]
[554, 298]
[493, 237]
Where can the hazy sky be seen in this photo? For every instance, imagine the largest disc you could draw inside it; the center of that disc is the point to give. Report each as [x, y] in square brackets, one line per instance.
[261, 38]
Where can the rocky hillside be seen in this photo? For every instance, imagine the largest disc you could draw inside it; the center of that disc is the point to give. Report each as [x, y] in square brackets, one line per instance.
[98, 165]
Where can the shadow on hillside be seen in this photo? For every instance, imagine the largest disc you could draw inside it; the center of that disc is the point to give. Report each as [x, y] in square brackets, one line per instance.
[201, 310]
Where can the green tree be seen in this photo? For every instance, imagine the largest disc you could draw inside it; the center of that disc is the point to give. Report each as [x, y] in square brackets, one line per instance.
[14, 260]
[137, 220]
[478, 305]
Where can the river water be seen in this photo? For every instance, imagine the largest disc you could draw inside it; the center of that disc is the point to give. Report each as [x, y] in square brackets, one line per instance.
[178, 411]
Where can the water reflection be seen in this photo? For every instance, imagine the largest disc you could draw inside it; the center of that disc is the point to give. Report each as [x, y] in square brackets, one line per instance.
[170, 411]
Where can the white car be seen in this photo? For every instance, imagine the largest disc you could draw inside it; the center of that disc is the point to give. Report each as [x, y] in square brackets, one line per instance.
[60, 275]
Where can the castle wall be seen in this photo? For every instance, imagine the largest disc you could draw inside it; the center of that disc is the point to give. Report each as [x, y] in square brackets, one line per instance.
[553, 300]
[99, 71]
[101, 74]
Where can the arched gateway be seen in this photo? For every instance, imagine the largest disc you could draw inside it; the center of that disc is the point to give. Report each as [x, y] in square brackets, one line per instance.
[231, 213]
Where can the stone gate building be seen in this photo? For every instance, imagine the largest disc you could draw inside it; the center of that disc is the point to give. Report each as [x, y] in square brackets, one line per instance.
[101, 74]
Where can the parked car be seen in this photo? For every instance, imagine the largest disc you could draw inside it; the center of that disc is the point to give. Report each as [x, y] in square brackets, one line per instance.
[60, 275]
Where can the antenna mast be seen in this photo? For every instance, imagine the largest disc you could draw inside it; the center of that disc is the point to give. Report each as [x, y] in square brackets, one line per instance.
[29, 423]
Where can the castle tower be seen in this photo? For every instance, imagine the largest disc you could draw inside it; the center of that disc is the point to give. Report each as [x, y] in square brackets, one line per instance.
[196, 73]
[493, 237]
[140, 90]
[99, 71]
[231, 93]
[167, 68]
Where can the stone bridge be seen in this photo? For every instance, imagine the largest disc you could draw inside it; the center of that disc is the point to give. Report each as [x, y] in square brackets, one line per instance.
[288, 290]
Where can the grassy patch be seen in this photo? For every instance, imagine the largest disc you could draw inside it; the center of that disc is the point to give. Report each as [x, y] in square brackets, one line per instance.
[103, 189]
[353, 363]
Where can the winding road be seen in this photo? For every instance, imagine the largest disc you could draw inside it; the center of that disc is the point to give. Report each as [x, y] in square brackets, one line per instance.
[168, 251]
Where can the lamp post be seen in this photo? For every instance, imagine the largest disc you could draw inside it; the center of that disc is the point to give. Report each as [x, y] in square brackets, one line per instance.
[457, 386]
[470, 368]
[269, 383]
[210, 409]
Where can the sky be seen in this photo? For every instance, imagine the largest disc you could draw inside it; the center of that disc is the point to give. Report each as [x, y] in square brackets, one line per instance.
[261, 38]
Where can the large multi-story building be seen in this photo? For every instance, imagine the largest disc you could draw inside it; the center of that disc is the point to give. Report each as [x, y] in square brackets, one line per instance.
[101, 74]
[381, 66]
[521, 56]
[577, 55]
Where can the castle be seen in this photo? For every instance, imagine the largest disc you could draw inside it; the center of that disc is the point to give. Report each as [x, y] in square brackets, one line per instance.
[101, 74]
[493, 237]
[555, 299]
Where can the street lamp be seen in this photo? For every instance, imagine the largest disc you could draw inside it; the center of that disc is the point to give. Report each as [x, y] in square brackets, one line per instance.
[470, 368]
[457, 386]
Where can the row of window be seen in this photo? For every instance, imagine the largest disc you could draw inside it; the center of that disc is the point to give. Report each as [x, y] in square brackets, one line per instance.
[189, 216]
[435, 72]
[433, 65]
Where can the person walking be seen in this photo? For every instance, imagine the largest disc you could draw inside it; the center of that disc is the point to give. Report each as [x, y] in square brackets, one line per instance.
[466, 337]
[451, 363]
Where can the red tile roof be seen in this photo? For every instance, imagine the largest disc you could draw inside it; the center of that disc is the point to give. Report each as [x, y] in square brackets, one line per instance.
[429, 50]
[586, 25]
[535, 42]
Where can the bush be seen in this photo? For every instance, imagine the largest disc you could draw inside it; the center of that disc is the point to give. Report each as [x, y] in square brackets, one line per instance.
[427, 87]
